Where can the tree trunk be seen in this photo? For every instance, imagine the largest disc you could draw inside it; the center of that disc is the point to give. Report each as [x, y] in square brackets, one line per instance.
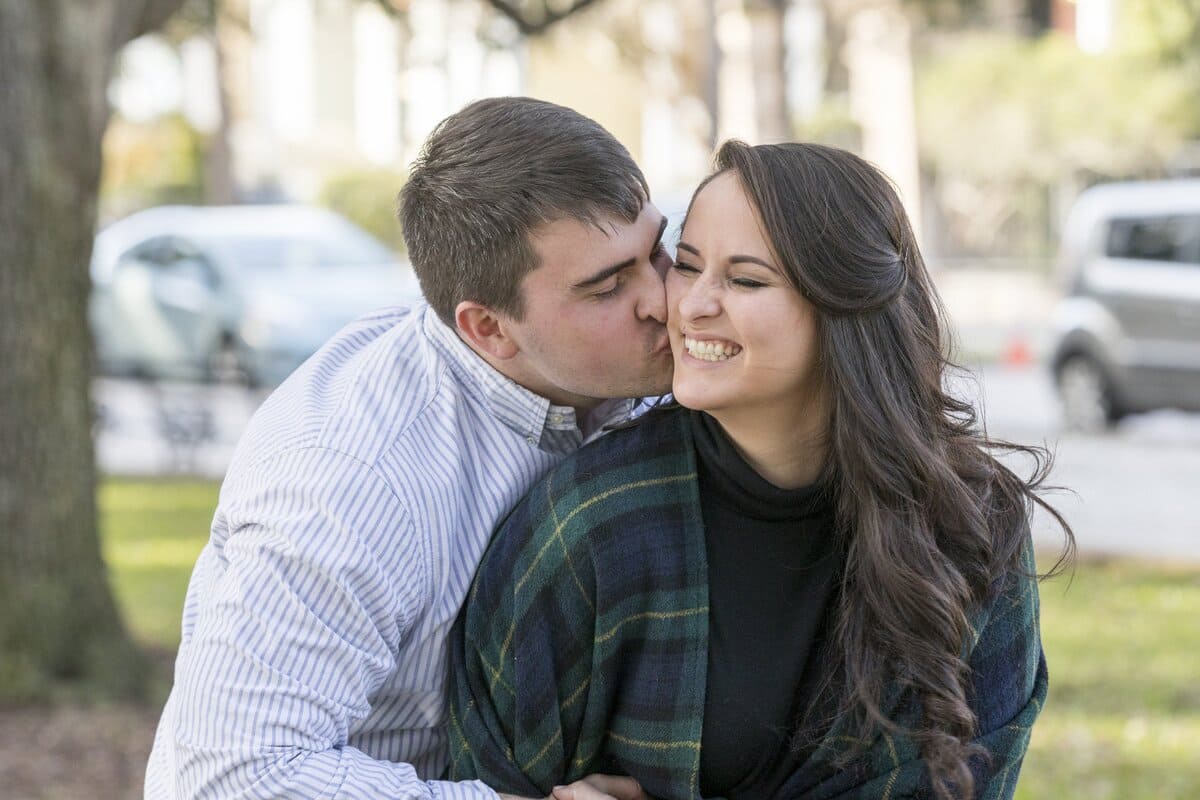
[712, 73]
[878, 56]
[230, 34]
[769, 52]
[220, 188]
[58, 620]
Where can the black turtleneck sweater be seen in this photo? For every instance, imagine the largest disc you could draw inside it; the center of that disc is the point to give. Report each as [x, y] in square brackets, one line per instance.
[772, 566]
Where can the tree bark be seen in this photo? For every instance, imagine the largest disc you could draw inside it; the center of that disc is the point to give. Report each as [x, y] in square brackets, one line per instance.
[769, 53]
[58, 620]
[220, 187]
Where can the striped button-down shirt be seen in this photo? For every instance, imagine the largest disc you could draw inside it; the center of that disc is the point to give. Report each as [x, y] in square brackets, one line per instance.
[348, 529]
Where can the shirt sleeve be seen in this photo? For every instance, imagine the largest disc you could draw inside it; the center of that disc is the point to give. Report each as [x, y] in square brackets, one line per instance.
[295, 622]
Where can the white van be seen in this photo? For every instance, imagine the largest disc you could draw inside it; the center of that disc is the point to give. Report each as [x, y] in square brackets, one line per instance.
[1127, 334]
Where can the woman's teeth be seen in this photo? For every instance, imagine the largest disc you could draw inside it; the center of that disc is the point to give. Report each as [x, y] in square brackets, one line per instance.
[709, 350]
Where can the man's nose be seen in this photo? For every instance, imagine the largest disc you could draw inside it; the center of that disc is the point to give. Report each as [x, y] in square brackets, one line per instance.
[652, 305]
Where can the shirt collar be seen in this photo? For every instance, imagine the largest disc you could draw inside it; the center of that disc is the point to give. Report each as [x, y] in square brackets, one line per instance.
[535, 418]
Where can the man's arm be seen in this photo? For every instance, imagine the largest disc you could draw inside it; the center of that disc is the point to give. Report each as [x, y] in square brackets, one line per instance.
[294, 627]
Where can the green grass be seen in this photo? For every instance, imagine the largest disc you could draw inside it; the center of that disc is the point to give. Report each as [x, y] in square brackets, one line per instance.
[1123, 717]
[1122, 639]
[152, 532]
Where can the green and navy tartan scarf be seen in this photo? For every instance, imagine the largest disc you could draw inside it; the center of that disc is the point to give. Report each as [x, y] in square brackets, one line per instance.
[583, 644]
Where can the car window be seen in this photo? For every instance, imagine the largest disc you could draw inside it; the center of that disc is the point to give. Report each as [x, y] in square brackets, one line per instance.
[185, 259]
[152, 252]
[1166, 238]
[301, 250]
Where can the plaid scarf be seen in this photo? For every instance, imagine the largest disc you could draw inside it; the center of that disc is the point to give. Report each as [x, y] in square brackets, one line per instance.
[583, 644]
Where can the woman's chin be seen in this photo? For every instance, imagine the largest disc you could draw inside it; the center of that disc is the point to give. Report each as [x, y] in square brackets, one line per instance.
[694, 398]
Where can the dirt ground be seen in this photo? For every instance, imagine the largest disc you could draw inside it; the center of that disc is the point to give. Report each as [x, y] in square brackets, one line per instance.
[73, 753]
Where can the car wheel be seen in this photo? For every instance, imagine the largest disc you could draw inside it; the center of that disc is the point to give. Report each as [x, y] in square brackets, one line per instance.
[1085, 396]
[225, 364]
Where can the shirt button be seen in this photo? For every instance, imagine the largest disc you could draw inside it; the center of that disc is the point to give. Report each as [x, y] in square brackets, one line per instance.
[530, 439]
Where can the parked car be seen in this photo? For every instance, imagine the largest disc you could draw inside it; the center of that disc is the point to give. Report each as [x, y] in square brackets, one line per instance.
[1127, 333]
[245, 292]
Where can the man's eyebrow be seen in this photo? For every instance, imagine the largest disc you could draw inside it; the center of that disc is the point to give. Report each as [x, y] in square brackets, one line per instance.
[604, 274]
[608, 272]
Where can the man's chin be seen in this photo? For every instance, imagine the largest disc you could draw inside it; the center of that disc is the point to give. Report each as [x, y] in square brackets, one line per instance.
[659, 389]
[655, 380]
[653, 383]
[654, 388]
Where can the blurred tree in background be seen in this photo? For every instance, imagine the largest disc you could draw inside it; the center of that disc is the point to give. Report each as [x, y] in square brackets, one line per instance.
[1012, 128]
[58, 622]
[151, 163]
[1164, 30]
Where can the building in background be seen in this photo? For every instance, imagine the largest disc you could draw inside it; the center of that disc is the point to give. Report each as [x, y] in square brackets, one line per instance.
[295, 94]
[301, 90]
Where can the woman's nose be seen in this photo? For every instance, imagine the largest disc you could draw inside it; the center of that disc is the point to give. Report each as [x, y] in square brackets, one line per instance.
[700, 300]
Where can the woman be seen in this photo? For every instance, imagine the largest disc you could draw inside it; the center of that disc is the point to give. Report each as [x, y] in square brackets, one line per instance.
[810, 580]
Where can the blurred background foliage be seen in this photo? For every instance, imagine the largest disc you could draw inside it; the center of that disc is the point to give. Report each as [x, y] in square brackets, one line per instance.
[367, 197]
[1012, 128]
[151, 163]
[1011, 122]
[1003, 111]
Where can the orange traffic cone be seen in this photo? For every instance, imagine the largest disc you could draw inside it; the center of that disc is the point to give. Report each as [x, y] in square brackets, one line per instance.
[1017, 353]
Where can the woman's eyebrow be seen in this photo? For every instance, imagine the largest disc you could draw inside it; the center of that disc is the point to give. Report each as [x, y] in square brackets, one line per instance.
[751, 260]
[736, 259]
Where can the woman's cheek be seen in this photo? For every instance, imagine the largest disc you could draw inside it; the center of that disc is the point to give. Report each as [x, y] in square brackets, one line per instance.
[675, 289]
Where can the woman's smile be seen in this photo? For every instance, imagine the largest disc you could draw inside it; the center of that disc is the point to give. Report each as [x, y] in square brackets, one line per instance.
[744, 337]
[710, 350]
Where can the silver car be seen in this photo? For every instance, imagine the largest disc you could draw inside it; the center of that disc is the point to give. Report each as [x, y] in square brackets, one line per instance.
[246, 292]
[1127, 335]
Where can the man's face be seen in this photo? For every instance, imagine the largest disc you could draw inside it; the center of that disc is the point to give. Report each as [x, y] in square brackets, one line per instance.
[595, 312]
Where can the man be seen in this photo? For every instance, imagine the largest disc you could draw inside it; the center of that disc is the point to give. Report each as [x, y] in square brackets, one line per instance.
[364, 491]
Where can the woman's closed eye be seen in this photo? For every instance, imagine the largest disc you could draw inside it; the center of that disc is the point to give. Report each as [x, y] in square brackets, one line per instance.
[684, 268]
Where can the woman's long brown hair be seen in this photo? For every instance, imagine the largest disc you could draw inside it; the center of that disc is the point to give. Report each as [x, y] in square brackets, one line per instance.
[928, 517]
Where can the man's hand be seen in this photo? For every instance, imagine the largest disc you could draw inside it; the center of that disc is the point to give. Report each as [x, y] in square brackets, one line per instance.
[595, 787]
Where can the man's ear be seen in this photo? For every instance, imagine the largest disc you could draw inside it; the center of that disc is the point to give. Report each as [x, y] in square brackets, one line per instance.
[485, 329]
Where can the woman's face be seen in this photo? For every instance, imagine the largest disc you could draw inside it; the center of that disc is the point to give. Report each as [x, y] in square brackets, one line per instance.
[743, 339]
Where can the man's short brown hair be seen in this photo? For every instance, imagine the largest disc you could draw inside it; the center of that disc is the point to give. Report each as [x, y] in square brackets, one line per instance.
[492, 174]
